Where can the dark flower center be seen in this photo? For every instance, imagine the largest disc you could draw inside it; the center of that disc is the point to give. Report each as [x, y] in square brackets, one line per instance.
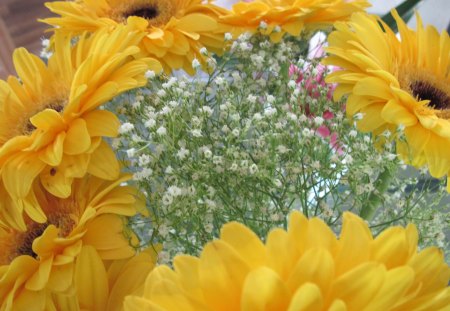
[146, 12]
[57, 106]
[439, 99]
[26, 247]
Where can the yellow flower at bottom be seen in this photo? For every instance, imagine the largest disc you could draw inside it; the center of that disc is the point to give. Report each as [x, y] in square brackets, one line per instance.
[41, 260]
[102, 286]
[305, 268]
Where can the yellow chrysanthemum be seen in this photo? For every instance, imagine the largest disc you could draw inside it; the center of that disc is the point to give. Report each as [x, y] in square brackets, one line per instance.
[51, 129]
[175, 30]
[290, 16]
[305, 268]
[102, 286]
[397, 82]
[41, 260]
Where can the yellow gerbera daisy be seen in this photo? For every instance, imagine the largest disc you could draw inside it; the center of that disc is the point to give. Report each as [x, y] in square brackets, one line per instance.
[305, 268]
[41, 259]
[175, 30]
[51, 127]
[397, 82]
[289, 16]
[102, 286]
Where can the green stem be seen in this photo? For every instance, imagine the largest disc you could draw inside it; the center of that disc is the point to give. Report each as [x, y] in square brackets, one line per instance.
[375, 198]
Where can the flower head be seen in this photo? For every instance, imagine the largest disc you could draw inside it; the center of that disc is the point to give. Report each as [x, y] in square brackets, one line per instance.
[42, 258]
[397, 82]
[303, 268]
[278, 17]
[51, 128]
[174, 31]
[102, 285]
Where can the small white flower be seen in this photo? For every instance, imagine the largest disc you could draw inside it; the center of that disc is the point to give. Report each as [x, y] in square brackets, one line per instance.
[217, 160]
[150, 74]
[161, 93]
[291, 116]
[282, 149]
[204, 51]
[334, 158]
[263, 25]
[358, 116]
[219, 80]
[386, 133]
[235, 117]
[45, 43]
[277, 29]
[207, 153]
[182, 153]
[318, 121]
[196, 64]
[131, 152]
[257, 116]
[228, 36]
[136, 105]
[165, 110]
[174, 191]
[161, 131]
[303, 118]
[307, 132]
[348, 159]
[144, 159]
[251, 98]
[270, 111]
[125, 128]
[150, 123]
[196, 133]
[315, 165]
[207, 110]
[235, 133]
[353, 133]
[234, 167]
[391, 156]
[167, 199]
[270, 99]
[292, 84]
[169, 170]
[253, 168]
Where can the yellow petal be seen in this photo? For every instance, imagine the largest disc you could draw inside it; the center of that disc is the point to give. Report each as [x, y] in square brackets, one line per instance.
[91, 281]
[222, 272]
[307, 298]
[103, 163]
[264, 291]
[77, 139]
[245, 242]
[102, 123]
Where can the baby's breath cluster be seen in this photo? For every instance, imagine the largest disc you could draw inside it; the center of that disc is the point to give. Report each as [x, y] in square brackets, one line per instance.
[255, 139]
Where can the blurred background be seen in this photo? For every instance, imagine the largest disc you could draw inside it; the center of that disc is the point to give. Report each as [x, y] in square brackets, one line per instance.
[19, 26]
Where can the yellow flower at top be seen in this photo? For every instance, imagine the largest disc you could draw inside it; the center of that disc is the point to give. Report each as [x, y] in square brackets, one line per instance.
[174, 30]
[51, 128]
[40, 262]
[397, 83]
[277, 17]
[305, 268]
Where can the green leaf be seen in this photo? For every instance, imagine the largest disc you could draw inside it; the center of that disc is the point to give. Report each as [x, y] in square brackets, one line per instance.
[405, 10]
